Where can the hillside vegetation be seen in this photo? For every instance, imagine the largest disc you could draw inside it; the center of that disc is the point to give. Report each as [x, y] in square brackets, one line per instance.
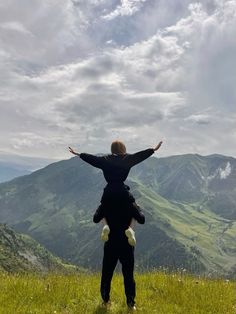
[189, 203]
[21, 253]
[157, 292]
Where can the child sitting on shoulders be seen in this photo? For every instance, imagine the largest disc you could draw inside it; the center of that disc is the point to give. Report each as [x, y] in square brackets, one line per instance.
[116, 167]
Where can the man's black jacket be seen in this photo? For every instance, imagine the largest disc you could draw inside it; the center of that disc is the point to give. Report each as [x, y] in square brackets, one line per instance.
[119, 218]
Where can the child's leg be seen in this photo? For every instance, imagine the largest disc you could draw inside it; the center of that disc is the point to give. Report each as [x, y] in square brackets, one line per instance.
[99, 216]
[132, 223]
[105, 230]
[130, 233]
[104, 221]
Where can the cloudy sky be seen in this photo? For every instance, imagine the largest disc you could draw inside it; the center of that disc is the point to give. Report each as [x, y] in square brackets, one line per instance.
[85, 72]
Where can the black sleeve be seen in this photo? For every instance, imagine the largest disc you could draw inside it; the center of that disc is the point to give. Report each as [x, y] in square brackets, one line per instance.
[134, 159]
[99, 215]
[96, 161]
[138, 215]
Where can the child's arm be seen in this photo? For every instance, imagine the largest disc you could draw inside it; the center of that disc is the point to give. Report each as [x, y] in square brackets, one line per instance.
[73, 152]
[95, 161]
[138, 157]
[158, 146]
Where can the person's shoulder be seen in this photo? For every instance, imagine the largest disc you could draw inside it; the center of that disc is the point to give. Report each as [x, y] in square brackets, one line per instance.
[108, 157]
[101, 155]
[116, 155]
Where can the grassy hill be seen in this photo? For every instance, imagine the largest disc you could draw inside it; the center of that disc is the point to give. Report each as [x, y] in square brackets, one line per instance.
[157, 292]
[189, 203]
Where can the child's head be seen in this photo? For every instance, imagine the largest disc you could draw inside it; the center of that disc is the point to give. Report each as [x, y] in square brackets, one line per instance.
[118, 147]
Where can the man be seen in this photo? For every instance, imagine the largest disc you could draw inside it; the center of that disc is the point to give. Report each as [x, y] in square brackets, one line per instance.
[118, 208]
[118, 248]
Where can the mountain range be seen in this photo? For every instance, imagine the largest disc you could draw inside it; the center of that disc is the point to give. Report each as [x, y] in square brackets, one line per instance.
[12, 166]
[189, 202]
[9, 171]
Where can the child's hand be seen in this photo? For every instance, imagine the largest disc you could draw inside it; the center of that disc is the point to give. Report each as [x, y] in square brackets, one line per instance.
[158, 146]
[72, 151]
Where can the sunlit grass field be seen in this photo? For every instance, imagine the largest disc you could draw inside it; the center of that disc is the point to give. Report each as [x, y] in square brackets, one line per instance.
[157, 292]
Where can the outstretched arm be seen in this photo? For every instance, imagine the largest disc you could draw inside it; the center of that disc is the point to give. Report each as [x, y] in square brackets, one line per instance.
[138, 157]
[73, 152]
[90, 159]
[158, 146]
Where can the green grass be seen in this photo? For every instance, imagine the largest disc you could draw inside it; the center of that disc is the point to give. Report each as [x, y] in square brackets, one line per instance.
[157, 292]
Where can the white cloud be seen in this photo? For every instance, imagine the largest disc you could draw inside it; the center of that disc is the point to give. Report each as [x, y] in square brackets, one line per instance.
[69, 76]
[199, 118]
[14, 26]
[127, 7]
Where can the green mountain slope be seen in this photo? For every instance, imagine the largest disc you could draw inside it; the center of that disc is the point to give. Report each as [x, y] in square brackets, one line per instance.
[186, 224]
[210, 239]
[209, 181]
[20, 253]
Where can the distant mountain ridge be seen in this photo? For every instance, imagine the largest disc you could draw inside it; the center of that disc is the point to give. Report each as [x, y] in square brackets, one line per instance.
[10, 171]
[13, 166]
[194, 178]
[189, 203]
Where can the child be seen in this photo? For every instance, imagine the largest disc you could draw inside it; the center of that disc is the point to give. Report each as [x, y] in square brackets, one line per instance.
[116, 167]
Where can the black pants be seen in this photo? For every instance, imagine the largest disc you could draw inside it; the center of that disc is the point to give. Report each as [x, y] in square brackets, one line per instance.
[116, 192]
[122, 251]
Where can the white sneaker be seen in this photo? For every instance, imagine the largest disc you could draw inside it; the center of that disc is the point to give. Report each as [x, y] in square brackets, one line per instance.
[106, 305]
[130, 234]
[105, 233]
[132, 308]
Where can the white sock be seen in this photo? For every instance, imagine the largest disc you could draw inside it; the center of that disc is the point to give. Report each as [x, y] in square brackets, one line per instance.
[105, 233]
[130, 234]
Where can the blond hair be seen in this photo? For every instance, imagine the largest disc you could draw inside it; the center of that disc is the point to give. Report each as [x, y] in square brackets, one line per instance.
[118, 147]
